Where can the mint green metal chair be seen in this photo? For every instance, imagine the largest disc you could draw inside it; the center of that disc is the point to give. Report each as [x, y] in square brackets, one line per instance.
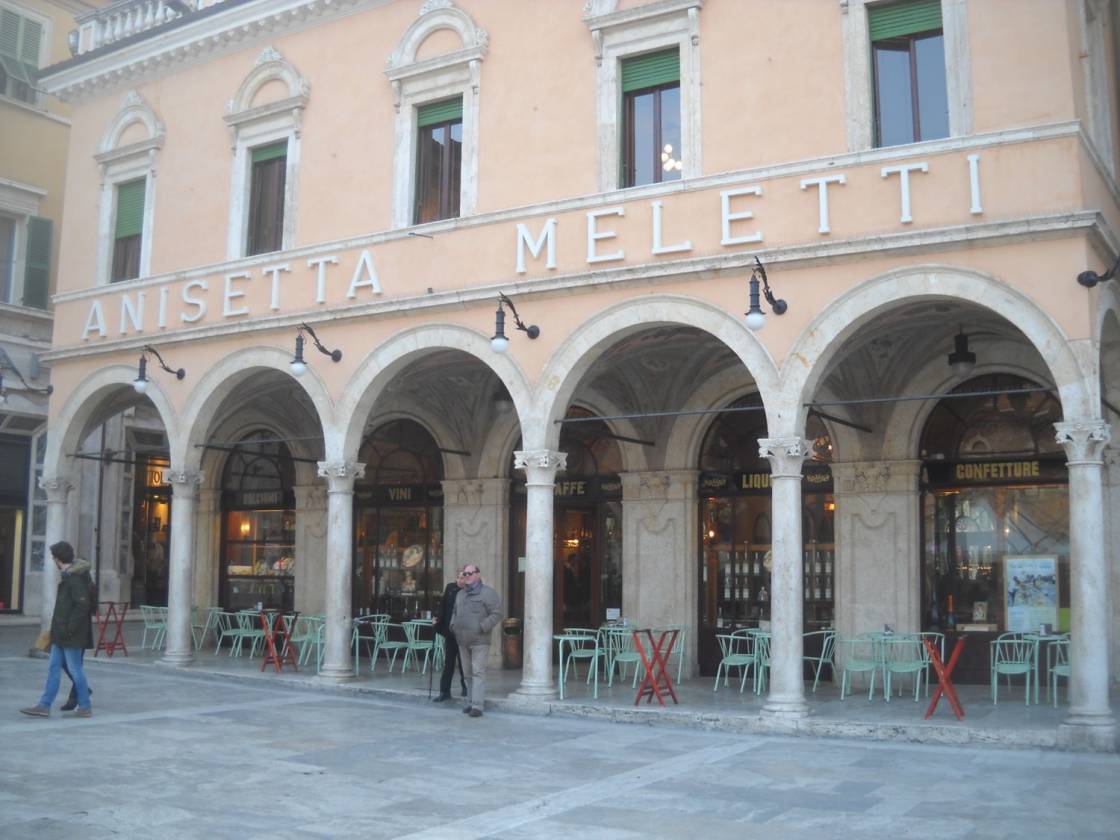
[248, 625]
[938, 641]
[304, 636]
[385, 643]
[858, 656]
[367, 630]
[204, 621]
[827, 639]
[679, 647]
[582, 644]
[1057, 662]
[155, 622]
[903, 654]
[736, 651]
[1011, 656]
[619, 652]
[762, 660]
[417, 645]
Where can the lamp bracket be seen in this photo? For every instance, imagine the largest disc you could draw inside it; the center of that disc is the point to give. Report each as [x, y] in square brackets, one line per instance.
[7, 364]
[532, 330]
[336, 355]
[148, 350]
[778, 305]
[1089, 279]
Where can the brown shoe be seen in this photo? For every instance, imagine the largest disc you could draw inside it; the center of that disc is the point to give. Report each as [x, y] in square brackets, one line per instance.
[476, 712]
[81, 713]
[36, 711]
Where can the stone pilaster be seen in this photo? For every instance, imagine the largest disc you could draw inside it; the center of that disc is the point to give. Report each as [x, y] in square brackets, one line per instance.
[1112, 556]
[659, 539]
[207, 546]
[58, 490]
[311, 548]
[184, 490]
[340, 475]
[787, 688]
[540, 467]
[1090, 717]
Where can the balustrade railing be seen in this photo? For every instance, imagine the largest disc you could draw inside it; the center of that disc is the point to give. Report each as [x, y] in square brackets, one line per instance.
[126, 18]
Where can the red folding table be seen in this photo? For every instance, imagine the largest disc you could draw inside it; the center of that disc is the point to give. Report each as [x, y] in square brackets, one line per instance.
[112, 618]
[278, 642]
[944, 683]
[657, 678]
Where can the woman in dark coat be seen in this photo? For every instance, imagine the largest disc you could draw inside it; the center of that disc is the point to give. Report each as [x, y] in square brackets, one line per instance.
[72, 701]
[450, 647]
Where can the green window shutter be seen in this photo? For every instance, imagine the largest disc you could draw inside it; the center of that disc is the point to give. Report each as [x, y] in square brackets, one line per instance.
[29, 48]
[9, 32]
[37, 274]
[645, 71]
[272, 151]
[435, 113]
[901, 19]
[130, 209]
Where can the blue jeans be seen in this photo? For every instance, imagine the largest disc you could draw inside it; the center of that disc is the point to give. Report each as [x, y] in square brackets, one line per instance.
[73, 657]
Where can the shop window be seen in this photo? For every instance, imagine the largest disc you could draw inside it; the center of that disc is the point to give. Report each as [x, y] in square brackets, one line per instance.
[651, 103]
[266, 199]
[908, 64]
[439, 159]
[128, 231]
[21, 39]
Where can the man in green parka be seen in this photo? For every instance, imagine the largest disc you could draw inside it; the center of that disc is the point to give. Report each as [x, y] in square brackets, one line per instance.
[70, 628]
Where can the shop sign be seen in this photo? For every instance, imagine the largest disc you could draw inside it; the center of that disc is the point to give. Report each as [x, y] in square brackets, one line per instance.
[400, 494]
[580, 487]
[156, 477]
[814, 478]
[260, 499]
[1033, 471]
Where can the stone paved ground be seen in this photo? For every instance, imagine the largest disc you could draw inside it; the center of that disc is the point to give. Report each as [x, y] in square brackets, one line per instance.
[174, 755]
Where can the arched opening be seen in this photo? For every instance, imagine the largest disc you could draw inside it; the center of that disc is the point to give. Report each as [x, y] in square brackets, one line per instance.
[736, 528]
[398, 561]
[258, 556]
[995, 515]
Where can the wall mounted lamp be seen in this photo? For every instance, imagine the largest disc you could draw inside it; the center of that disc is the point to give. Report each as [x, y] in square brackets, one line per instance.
[140, 385]
[961, 360]
[756, 319]
[1089, 279]
[6, 364]
[298, 365]
[499, 343]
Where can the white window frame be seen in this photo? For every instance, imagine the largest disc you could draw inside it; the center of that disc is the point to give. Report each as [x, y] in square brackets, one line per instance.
[1099, 95]
[251, 127]
[618, 35]
[121, 164]
[19, 202]
[859, 104]
[44, 49]
[416, 82]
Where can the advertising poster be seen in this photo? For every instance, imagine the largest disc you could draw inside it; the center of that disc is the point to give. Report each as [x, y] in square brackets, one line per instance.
[1030, 585]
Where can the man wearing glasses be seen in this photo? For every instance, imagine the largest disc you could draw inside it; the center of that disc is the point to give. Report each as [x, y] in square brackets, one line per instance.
[477, 612]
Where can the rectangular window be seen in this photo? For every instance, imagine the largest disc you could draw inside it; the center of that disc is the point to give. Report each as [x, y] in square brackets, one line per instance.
[127, 232]
[7, 257]
[439, 158]
[908, 63]
[266, 199]
[20, 38]
[651, 117]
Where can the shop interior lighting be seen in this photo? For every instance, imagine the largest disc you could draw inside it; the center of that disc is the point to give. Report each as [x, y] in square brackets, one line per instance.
[961, 360]
[140, 385]
[6, 364]
[1089, 279]
[298, 365]
[756, 318]
[499, 343]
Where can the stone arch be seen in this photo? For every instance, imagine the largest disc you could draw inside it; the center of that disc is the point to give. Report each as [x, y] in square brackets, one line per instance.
[68, 426]
[134, 111]
[435, 15]
[843, 318]
[384, 363]
[453, 465]
[213, 463]
[270, 66]
[579, 351]
[220, 381]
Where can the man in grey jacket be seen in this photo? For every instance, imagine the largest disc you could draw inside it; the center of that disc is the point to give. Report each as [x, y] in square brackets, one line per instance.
[477, 612]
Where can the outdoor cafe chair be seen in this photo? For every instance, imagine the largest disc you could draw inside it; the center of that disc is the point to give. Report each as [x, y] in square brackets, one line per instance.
[1057, 661]
[582, 643]
[858, 655]
[679, 646]
[619, 651]
[417, 645]
[248, 622]
[155, 622]
[827, 640]
[736, 651]
[204, 620]
[938, 641]
[762, 660]
[1012, 655]
[385, 642]
[304, 636]
[902, 654]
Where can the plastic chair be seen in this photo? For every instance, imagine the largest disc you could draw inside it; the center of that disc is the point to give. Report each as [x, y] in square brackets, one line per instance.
[1012, 655]
[582, 643]
[417, 645]
[736, 651]
[155, 622]
[618, 643]
[828, 643]
[1057, 665]
[903, 654]
[858, 655]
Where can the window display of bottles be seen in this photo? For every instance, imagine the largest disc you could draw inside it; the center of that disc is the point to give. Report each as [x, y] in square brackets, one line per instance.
[819, 574]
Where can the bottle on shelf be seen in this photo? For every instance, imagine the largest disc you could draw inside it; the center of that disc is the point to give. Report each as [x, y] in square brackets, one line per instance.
[951, 616]
[763, 595]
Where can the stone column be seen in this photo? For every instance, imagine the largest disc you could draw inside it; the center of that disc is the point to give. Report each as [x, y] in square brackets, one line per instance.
[340, 475]
[476, 530]
[180, 644]
[787, 687]
[659, 539]
[58, 490]
[1090, 717]
[540, 467]
[1112, 555]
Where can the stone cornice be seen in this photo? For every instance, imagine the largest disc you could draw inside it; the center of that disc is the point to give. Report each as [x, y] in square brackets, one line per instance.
[219, 28]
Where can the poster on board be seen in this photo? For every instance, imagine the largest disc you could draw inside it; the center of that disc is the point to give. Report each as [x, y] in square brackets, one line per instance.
[1030, 585]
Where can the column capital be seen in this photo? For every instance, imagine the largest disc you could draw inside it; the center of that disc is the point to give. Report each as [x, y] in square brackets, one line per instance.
[1083, 440]
[540, 465]
[786, 455]
[183, 481]
[56, 487]
[340, 475]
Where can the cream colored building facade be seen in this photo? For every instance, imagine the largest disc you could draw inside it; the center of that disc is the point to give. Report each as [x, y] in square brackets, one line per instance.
[884, 251]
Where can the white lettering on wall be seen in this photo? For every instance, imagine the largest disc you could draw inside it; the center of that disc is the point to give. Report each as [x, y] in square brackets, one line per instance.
[94, 321]
[903, 173]
[163, 293]
[524, 239]
[320, 265]
[974, 184]
[728, 217]
[822, 195]
[365, 275]
[594, 235]
[658, 248]
[198, 304]
[230, 294]
[275, 270]
[130, 314]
